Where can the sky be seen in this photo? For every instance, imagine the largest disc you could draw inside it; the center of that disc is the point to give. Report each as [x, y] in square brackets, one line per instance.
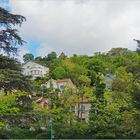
[76, 26]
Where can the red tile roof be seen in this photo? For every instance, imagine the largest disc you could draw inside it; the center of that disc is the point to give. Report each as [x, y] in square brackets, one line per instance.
[64, 80]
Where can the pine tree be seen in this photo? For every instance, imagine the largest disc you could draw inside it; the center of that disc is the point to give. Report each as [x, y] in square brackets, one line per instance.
[11, 76]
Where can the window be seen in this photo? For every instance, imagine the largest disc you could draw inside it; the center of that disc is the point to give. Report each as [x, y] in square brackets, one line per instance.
[37, 72]
[83, 109]
[72, 109]
[62, 87]
[83, 119]
[34, 72]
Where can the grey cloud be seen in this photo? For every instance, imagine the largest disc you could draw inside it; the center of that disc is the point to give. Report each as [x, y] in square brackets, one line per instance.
[80, 26]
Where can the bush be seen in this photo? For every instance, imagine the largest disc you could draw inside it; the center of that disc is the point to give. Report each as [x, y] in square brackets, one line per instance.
[43, 135]
[16, 133]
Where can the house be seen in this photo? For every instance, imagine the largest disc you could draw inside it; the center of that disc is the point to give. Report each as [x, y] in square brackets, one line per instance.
[81, 109]
[65, 82]
[34, 69]
[108, 80]
[60, 84]
[42, 101]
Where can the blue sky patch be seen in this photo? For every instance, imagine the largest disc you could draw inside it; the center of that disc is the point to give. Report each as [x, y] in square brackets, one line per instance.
[32, 46]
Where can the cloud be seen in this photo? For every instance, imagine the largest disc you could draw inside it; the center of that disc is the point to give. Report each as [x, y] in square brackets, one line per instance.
[21, 52]
[79, 26]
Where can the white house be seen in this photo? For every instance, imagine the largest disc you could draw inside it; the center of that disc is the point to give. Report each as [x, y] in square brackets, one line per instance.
[33, 69]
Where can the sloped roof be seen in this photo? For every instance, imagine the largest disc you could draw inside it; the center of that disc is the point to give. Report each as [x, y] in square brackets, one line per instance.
[41, 100]
[63, 80]
[67, 81]
[33, 62]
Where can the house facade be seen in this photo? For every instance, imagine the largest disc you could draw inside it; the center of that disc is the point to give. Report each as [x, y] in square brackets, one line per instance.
[109, 80]
[60, 84]
[81, 109]
[33, 69]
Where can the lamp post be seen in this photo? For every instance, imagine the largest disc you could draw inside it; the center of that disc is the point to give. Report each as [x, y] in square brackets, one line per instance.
[52, 135]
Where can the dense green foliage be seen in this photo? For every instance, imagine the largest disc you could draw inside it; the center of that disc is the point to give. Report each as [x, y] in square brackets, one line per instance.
[11, 76]
[28, 57]
[114, 111]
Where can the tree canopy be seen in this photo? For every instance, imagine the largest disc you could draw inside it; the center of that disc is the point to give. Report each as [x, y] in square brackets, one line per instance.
[9, 36]
[28, 57]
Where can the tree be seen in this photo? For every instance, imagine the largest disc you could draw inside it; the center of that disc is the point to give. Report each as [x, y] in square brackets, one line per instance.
[136, 94]
[10, 68]
[58, 110]
[123, 81]
[13, 111]
[94, 66]
[118, 52]
[73, 70]
[51, 56]
[84, 80]
[135, 115]
[39, 58]
[83, 88]
[9, 37]
[7, 108]
[100, 85]
[11, 75]
[59, 73]
[55, 63]
[8, 104]
[28, 57]
[103, 120]
[62, 55]
[79, 59]
[12, 105]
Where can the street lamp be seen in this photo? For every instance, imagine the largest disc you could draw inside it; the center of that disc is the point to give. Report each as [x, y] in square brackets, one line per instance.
[52, 134]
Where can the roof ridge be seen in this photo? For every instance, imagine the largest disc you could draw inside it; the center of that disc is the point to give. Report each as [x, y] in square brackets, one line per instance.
[33, 62]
